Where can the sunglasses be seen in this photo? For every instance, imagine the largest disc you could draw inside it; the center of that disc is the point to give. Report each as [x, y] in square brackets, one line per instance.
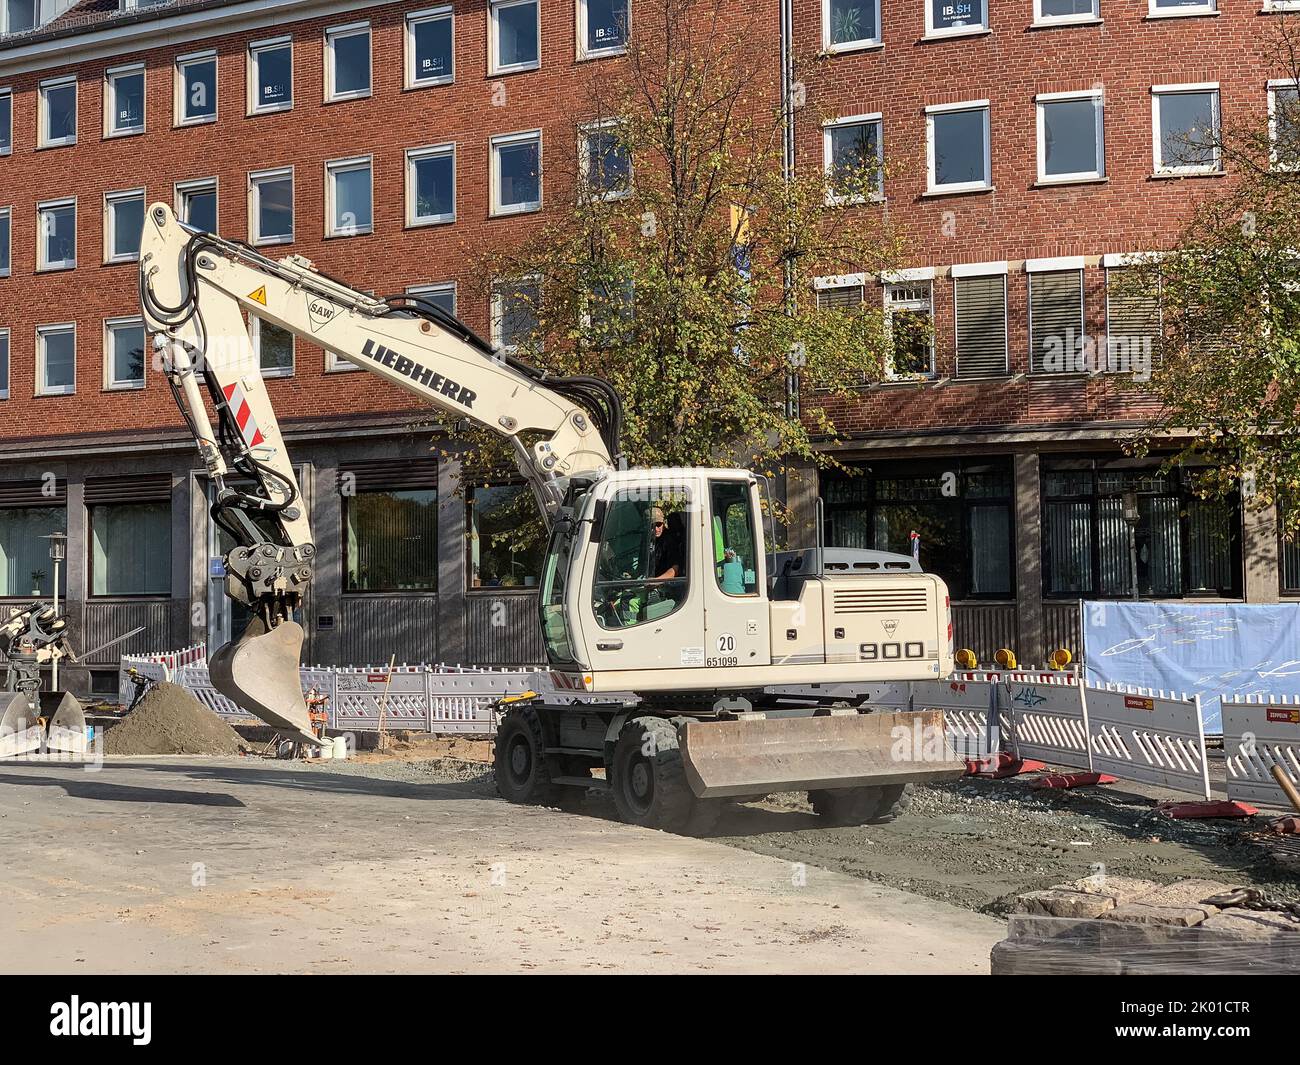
[657, 524]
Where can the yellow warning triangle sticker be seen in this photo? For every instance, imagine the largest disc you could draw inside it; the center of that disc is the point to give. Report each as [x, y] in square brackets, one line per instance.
[259, 294]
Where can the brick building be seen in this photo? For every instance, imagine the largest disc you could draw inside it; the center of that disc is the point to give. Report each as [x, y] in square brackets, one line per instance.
[384, 140]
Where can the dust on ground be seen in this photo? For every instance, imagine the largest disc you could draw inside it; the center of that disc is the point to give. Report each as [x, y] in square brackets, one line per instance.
[169, 720]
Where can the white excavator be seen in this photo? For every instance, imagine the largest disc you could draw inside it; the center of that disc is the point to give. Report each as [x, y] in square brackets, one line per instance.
[689, 664]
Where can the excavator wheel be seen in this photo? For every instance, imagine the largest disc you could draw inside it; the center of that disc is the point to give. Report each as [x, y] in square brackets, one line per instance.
[520, 762]
[648, 781]
[862, 806]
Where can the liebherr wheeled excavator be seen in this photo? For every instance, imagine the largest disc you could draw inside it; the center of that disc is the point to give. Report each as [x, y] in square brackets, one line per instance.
[688, 664]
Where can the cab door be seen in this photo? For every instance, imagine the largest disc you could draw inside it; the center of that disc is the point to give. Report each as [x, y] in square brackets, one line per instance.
[736, 615]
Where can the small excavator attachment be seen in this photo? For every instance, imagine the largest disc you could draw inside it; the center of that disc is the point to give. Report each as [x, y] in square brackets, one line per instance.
[761, 755]
[259, 671]
[23, 732]
[67, 728]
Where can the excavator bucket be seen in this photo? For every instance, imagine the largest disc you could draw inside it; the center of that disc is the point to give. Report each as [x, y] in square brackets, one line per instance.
[259, 671]
[20, 730]
[757, 756]
[67, 731]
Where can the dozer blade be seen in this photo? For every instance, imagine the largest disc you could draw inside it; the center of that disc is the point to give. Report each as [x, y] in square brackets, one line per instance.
[67, 732]
[759, 756]
[20, 731]
[259, 671]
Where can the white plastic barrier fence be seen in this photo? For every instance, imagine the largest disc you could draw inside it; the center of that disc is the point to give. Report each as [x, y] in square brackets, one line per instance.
[966, 703]
[1259, 732]
[1046, 715]
[1146, 735]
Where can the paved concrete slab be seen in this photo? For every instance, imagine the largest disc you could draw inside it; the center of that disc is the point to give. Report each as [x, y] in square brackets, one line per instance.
[230, 865]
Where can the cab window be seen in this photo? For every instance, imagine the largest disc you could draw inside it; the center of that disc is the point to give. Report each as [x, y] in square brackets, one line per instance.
[643, 564]
[735, 561]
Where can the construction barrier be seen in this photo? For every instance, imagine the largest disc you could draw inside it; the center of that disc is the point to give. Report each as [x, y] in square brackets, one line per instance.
[1150, 736]
[967, 704]
[1260, 732]
[1046, 717]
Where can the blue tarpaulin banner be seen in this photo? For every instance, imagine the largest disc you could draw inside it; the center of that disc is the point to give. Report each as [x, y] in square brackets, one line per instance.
[1210, 649]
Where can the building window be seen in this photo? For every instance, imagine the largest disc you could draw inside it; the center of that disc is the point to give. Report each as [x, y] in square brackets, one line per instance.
[6, 121]
[909, 312]
[124, 353]
[56, 360]
[1185, 546]
[348, 198]
[6, 233]
[506, 537]
[944, 18]
[853, 158]
[391, 540]
[1185, 128]
[20, 15]
[273, 347]
[441, 295]
[196, 203]
[1054, 12]
[123, 225]
[25, 569]
[606, 163]
[347, 62]
[56, 236]
[1174, 8]
[271, 208]
[602, 27]
[980, 309]
[957, 143]
[849, 24]
[124, 101]
[515, 306]
[1284, 124]
[517, 173]
[431, 185]
[196, 89]
[516, 35]
[1071, 146]
[1056, 340]
[131, 549]
[430, 47]
[961, 513]
[1132, 325]
[270, 76]
[4, 369]
[58, 112]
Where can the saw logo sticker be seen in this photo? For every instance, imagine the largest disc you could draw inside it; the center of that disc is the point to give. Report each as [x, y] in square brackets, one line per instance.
[890, 626]
[320, 312]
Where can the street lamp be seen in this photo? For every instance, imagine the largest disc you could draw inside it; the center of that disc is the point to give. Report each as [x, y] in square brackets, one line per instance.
[1131, 518]
[58, 552]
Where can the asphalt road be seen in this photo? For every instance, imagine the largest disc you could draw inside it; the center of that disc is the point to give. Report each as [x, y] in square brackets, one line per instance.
[172, 864]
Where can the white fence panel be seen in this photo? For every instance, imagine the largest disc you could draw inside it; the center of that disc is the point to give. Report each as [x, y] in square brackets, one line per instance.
[1155, 737]
[360, 698]
[965, 704]
[1048, 717]
[1260, 732]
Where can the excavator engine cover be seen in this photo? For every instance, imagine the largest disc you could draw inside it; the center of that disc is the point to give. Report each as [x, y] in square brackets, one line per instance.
[259, 671]
[20, 730]
[761, 755]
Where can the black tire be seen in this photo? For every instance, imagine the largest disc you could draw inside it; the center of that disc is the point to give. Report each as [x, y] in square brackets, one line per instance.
[861, 806]
[519, 760]
[647, 776]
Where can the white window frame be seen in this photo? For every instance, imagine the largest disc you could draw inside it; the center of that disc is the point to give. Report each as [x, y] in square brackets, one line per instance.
[960, 31]
[498, 210]
[1097, 96]
[6, 337]
[182, 189]
[900, 280]
[1273, 86]
[255, 48]
[7, 96]
[255, 178]
[440, 286]
[1041, 19]
[352, 29]
[111, 385]
[1271, 6]
[255, 331]
[413, 156]
[584, 160]
[7, 213]
[413, 19]
[179, 88]
[110, 100]
[1158, 92]
[42, 332]
[44, 265]
[876, 118]
[111, 199]
[1208, 7]
[599, 53]
[495, 67]
[4, 18]
[862, 44]
[43, 111]
[334, 167]
[961, 186]
[497, 311]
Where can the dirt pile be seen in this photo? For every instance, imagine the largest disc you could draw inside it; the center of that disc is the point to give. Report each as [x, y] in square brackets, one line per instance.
[169, 720]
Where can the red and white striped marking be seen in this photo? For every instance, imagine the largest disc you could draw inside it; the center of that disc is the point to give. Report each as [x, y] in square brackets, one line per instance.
[239, 407]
